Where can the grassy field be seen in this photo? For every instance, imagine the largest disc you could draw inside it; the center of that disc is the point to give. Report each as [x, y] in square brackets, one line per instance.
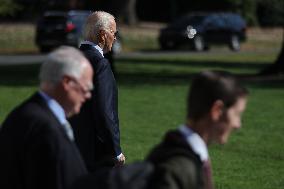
[17, 38]
[152, 91]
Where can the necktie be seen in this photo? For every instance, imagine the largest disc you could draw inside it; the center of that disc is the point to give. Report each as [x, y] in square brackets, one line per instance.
[68, 129]
[207, 171]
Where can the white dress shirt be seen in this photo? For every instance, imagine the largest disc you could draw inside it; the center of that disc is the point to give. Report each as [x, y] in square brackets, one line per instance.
[196, 143]
[59, 113]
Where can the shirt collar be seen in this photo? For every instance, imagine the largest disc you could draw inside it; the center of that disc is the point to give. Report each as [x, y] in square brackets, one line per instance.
[55, 107]
[196, 143]
[94, 45]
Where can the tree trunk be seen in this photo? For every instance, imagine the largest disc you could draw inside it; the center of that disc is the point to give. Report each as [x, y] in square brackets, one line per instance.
[278, 66]
[129, 13]
[75, 4]
[173, 10]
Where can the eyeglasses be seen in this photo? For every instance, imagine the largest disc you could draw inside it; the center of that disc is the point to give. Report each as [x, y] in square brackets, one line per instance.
[86, 90]
[114, 33]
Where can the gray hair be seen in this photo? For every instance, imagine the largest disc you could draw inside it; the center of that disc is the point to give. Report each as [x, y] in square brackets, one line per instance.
[63, 61]
[95, 22]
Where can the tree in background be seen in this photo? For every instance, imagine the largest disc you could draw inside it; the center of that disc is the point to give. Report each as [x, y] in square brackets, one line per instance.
[8, 7]
[128, 12]
[248, 11]
[264, 12]
[278, 66]
[158, 10]
[168, 10]
[270, 12]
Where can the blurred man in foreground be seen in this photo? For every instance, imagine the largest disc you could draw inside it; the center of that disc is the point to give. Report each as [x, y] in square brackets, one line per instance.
[215, 104]
[36, 141]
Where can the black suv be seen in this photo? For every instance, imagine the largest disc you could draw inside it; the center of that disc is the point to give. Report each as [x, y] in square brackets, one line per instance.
[202, 29]
[57, 28]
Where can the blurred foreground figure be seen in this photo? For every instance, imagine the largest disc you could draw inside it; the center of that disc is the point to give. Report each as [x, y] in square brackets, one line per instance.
[96, 128]
[36, 141]
[214, 107]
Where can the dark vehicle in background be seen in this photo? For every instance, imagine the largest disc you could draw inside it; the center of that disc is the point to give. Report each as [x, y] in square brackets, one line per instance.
[210, 28]
[57, 28]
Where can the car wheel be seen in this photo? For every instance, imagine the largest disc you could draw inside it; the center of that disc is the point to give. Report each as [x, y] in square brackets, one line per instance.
[235, 44]
[198, 43]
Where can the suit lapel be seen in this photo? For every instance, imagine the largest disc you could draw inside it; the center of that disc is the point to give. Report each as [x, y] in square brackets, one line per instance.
[37, 98]
[86, 47]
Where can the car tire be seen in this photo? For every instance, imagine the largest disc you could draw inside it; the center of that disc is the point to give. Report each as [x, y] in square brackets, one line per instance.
[198, 43]
[235, 44]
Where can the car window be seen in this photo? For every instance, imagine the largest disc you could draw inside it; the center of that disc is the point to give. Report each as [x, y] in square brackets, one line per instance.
[234, 21]
[75, 19]
[195, 20]
[188, 20]
[78, 20]
[214, 21]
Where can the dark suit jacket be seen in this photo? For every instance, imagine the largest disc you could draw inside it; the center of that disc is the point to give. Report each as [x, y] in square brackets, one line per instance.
[35, 152]
[96, 128]
[177, 166]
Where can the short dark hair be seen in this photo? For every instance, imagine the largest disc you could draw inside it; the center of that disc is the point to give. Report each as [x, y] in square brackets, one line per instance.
[209, 86]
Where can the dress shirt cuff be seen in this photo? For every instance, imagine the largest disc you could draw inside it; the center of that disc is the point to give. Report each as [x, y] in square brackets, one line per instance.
[119, 156]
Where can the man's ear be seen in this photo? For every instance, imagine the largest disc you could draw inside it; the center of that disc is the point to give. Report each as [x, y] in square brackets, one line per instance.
[65, 82]
[217, 110]
[101, 36]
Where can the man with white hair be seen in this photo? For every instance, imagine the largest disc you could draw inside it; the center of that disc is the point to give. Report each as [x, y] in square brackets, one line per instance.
[36, 142]
[98, 136]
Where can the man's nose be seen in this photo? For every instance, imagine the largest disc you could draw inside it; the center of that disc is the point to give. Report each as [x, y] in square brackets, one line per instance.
[88, 95]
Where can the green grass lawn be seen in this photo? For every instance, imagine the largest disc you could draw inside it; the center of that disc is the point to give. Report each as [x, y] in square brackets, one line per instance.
[17, 38]
[152, 93]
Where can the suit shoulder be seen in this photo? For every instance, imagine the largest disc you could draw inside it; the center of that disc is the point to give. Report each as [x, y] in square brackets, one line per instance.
[30, 109]
[97, 60]
[92, 54]
[177, 171]
[28, 116]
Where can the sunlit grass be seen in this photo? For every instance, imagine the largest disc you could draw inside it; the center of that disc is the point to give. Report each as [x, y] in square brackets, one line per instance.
[17, 38]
